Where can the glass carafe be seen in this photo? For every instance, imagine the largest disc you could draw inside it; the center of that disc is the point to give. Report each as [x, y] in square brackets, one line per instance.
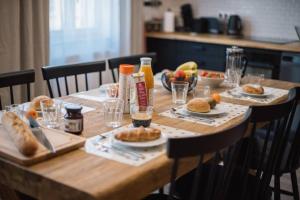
[236, 63]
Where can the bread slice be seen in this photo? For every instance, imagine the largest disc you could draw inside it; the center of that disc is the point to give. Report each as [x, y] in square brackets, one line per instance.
[20, 133]
[199, 105]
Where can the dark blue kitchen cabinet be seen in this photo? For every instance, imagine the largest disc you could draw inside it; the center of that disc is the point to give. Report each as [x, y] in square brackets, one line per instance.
[172, 53]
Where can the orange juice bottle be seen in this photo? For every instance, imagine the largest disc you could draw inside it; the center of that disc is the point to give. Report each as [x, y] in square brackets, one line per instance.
[149, 80]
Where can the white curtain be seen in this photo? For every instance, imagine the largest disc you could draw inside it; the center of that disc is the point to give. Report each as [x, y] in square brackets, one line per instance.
[89, 30]
[85, 30]
[24, 34]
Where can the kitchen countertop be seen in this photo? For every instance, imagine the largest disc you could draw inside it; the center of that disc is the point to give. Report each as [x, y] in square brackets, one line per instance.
[227, 40]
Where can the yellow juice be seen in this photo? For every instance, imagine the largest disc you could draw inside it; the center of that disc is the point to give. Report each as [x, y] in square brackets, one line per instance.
[149, 80]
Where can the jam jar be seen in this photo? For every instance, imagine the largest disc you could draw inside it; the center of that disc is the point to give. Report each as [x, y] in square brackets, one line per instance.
[73, 119]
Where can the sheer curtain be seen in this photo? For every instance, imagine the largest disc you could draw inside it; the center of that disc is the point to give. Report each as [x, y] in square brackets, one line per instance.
[86, 30]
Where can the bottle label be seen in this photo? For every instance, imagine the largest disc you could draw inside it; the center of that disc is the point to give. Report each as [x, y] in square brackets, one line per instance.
[73, 125]
[141, 94]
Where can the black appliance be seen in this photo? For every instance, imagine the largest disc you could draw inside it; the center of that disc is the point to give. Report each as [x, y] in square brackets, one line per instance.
[187, 16]
[207, 25]
[234, 26]
[290, 67]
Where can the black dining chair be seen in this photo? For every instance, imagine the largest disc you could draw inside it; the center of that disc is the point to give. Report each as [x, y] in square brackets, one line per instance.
[206, 182]
[267, 156]
[114, 63]
[260, 157]
[11, 79]
[290, 149]
[64, 71]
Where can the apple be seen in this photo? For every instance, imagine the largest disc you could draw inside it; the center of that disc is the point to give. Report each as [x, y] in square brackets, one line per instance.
[180, 75]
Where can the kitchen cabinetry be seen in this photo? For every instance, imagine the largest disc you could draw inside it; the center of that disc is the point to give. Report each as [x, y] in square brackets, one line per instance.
[172, 53]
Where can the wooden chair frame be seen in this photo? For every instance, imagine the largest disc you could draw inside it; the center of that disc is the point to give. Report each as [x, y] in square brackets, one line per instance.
[63, 71]
[17, 78]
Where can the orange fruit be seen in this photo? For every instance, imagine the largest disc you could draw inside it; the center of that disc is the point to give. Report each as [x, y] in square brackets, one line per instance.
[31, 113]
[216, 97]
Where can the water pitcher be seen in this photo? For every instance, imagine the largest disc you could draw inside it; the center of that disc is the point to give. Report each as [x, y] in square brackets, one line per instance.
[236, 63]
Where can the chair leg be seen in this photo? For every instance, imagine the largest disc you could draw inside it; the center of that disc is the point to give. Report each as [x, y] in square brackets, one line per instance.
[161, 190]
[277, 188]
[295, 185]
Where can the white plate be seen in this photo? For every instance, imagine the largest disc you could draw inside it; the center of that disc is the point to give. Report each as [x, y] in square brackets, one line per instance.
[218, 110]
[264, 95]
[152, 143]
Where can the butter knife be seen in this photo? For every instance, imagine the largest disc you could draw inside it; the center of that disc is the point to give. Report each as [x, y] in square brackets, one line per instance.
[40, 135]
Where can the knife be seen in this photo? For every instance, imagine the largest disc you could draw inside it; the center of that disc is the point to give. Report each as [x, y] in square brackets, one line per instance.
[40, 135]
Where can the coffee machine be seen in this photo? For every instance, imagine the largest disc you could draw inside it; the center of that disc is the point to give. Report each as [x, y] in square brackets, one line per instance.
[187, 16]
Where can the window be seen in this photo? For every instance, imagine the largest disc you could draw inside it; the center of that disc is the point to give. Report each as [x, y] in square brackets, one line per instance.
[84, 30]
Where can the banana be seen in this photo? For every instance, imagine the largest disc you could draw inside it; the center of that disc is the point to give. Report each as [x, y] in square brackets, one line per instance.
[188, 67]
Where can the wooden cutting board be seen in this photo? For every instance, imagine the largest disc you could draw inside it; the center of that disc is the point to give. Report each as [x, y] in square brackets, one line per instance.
[62, 141]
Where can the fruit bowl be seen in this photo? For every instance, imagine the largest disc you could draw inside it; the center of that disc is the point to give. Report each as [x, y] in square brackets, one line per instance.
[167, 78]
[212, 79]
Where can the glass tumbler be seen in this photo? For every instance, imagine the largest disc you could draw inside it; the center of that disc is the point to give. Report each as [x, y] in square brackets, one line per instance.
[179, 92]
[13, 108]
[51, 110]
[141, 115]
[113, 112]
[16, 108]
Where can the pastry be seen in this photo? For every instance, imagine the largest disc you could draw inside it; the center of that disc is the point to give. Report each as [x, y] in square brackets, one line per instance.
[20, 133]
[139, 134]
[253, 89]
[198, 105]
[36, 102]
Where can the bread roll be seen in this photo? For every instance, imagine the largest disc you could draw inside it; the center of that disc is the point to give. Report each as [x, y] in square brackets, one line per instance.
[36, 102]
[20, 133]
[253, 89]
[140, 134]
[198, 105]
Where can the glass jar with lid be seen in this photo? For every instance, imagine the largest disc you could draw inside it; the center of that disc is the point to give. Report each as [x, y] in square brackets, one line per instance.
[73, 119]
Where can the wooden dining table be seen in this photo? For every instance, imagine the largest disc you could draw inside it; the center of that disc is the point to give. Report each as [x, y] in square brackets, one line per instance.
[80, 175]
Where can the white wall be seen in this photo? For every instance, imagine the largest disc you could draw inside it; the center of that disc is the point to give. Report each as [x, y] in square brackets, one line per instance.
[262, 18]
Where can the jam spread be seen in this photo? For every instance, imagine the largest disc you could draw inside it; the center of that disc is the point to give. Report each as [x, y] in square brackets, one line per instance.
[73, 119]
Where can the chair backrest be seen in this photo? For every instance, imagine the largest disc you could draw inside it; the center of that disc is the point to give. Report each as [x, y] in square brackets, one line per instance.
[63, 71]
[199, 146]
[267, 160]
[294, 132]
[114, 63]
[17, 78]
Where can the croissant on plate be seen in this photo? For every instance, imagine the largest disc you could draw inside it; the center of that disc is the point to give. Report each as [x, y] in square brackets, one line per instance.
[253, 90]
[139, 134]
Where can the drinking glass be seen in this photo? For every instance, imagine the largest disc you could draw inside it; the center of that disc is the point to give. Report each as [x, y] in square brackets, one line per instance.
[141, 115]
[113, 112]
[254, 79]
[111, 90]
[51, 110]
[179, 92]
[13, 108]
[16, 108]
